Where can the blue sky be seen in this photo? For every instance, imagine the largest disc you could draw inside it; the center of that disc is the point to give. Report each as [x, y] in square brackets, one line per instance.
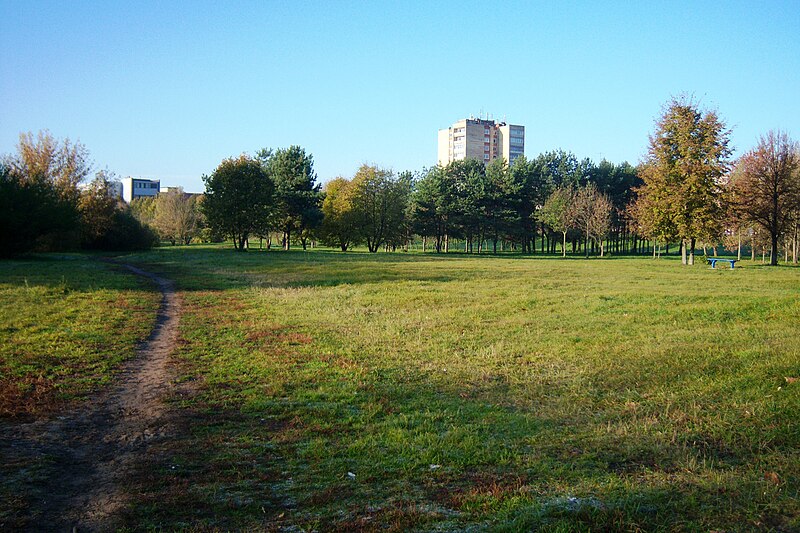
[167, 90]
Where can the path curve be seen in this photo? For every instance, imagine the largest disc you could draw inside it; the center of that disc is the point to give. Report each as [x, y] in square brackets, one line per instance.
[95, 447]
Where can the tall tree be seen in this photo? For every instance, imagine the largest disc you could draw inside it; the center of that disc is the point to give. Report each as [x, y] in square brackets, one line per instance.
[238, 198]
[298, 196]
[496, 202]
[767, 187]
[429, 212]
[526, 195]
[687, 158]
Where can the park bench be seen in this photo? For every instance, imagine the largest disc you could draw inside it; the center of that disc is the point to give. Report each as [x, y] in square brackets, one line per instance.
[713, 261]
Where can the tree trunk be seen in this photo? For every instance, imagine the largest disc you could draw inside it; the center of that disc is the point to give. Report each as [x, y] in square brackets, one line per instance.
[446, 243]
[424, 242]
[692, 243]
[773, 251]
[586, 244]
[683, 252]
[564, 245]
[739, 246]
[287, 239]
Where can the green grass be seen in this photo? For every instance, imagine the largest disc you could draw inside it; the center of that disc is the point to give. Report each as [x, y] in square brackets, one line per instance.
[504, 393]
[66, 322]
[473, 393]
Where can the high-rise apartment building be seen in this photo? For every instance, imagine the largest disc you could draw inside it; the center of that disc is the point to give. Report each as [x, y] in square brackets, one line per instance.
[484, 140]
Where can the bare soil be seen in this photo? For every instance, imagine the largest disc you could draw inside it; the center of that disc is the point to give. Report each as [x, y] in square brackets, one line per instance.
[83, 457]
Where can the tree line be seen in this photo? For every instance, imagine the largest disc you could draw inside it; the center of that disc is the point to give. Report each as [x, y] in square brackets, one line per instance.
[43, 206]
[692, 192]
[479, 206]
[686, 192]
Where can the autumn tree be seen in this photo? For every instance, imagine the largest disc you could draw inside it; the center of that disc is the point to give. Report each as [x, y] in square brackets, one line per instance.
[686, 160]
[177, 216]
[340, 219]
[298, 196]
[238, 198]
[40, 194]
[767, 189]
[591, 213]
[63, 164]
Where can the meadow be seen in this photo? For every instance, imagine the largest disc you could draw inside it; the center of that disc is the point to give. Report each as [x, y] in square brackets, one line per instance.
[427, 392]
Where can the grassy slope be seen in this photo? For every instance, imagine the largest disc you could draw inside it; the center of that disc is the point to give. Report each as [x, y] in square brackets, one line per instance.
[489, 392]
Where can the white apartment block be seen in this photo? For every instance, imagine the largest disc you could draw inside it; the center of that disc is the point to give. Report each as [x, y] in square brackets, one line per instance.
[138, 187]
[484, 140]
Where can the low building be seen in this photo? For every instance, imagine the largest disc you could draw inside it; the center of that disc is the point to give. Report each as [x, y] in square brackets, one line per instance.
[139, 187]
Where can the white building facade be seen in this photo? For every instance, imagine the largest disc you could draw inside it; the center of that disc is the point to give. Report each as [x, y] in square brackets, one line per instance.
[139, 187]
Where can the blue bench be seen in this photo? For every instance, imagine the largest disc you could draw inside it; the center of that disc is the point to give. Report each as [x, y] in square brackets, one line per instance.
[713, 261]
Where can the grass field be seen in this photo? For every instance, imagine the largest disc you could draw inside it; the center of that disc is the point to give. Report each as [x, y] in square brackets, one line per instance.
[66, 322]
[421, 392]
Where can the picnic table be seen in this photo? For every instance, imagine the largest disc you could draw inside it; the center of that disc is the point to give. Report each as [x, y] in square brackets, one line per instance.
[713, 261]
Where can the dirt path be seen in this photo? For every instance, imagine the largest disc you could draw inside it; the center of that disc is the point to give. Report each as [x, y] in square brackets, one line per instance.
[90, 451]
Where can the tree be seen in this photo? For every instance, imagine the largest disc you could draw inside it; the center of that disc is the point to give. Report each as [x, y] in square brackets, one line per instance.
[340, 220]
[380, 201]
[526, 190]
[687, 158]
[767, 191]
[496, 202]
[591, 212]
[177, 217]
[429, 215]
[97, 208]
[557, 213]
[40, 194]
[298, 196]
[238, 197]
[63, 164]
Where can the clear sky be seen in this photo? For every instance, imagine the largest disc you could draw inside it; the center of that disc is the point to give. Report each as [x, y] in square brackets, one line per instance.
[168, 89]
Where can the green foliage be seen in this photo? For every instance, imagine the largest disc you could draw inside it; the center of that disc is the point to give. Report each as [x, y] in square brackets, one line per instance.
[429, 206]
[33, 215]
[557, 213]
[380, 201]
[298, 196]
[238, 199]
[340, 223]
